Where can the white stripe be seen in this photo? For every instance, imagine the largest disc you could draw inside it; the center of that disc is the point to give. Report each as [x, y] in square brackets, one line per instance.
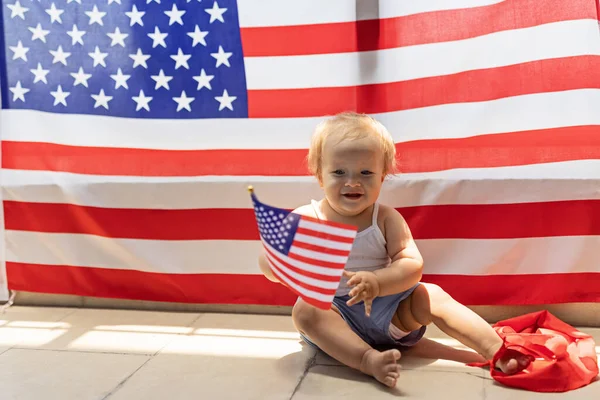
[573, 180]
[512, 114]
[167, 256]
[305, 266]
[456, 256]
[332, 230]
[316, 255]
[254, 13]
[306, 292]
[330, 244]
[303, 278]
[511, 256]
[560, 39]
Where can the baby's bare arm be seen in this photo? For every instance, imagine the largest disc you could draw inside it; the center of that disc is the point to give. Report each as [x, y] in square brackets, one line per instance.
[265, 268]
[406, 268]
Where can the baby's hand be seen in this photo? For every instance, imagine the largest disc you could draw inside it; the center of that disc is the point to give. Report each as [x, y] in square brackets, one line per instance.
[366, 288]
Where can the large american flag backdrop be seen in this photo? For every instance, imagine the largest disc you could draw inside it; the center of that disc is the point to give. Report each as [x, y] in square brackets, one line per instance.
[131, 128]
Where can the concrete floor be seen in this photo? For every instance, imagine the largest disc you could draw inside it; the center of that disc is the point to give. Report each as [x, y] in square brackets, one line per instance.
[71, 353]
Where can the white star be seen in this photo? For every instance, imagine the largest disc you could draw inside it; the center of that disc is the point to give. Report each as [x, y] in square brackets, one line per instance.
[150, 1]
[18, 92]
[139, 59]
[60, 96]
[40, 74]
[183, 102]
[225, 100]
[95, 16]
[76, 1]
[17, 10]
[142, 101]
[135, 16]
[76, 35]
[38, 33]
[215, 12]
[114, 1]
[81, 78]
[54, 14]
[60, 56]
[117, 37]
[161, 80]
[203, 80]
[181, 60]
[158, 38]
[19, 51]
[98, 57]
[175, 15]
[120, 79]
[101, 99]
[222, 57]
[198, 36]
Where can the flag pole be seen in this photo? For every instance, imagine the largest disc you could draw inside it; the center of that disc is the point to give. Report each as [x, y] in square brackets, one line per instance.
[250, 189]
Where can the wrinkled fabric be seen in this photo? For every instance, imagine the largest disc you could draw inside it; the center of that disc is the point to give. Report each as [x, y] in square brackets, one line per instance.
[561, 357]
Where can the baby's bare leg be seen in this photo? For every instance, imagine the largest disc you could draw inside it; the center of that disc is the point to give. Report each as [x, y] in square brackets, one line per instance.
[332, 334]
[429, 303]
[427, 348]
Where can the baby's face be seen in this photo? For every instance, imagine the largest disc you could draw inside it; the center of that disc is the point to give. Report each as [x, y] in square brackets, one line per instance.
[352, 174]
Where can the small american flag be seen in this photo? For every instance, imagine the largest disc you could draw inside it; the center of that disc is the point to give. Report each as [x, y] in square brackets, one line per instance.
[306, 254]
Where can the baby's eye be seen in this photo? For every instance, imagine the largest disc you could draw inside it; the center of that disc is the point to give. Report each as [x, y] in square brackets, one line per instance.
[338, 172]
[366, 172]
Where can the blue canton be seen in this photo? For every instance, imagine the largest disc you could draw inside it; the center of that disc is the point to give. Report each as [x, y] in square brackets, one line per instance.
[123, 58]
[276, 226]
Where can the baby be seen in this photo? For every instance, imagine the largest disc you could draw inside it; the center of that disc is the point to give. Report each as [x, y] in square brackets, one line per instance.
[380, 303]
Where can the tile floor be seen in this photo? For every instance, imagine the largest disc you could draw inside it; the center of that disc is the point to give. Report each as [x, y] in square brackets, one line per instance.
[81, 354]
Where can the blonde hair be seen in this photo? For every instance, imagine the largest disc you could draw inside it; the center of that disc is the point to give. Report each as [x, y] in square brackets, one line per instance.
[350, 125]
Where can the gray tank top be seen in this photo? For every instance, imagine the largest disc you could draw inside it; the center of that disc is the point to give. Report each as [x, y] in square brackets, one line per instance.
[368, 253]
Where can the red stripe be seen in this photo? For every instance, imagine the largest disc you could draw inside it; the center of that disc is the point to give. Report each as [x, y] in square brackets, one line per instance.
[309, 274]
[320, 249]
[308, 299]
[256, 289]
[504, 221]
[325, 235]
[520, 289]
[470, 221]
[550, 75]
[410, 30]
[312, 261]
[148, 223]
[485, 151]
[281, 275]
[507, 149]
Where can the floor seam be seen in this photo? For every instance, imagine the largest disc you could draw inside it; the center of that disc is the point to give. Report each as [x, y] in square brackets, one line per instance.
[82, 351]
[120, 385]
[312, 362]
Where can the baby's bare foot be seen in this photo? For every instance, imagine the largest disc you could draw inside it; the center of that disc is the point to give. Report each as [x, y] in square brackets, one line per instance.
[512, 362]
[383, 366]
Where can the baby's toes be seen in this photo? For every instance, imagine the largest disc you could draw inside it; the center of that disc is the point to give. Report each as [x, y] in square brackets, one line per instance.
[392, 368]
[393, 374]
[390, 381]
[391, 356]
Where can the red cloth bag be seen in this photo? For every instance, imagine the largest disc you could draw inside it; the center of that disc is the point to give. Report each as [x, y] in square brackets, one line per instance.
[562, 358]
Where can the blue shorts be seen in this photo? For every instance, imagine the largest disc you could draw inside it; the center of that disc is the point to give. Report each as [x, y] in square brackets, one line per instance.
[374, 330]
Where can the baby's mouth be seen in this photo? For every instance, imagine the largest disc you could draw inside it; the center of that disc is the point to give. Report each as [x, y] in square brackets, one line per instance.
[352, 195]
